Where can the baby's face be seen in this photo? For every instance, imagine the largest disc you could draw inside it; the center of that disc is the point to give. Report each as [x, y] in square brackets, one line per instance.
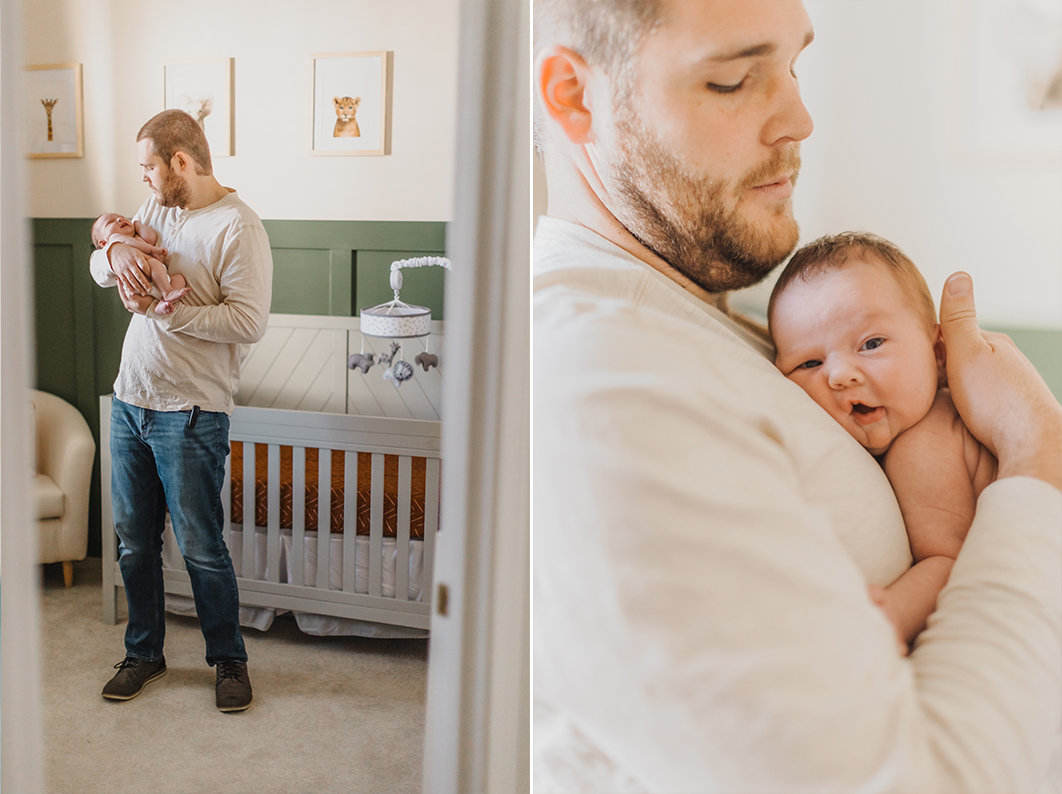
[111, 223]
[853, 341]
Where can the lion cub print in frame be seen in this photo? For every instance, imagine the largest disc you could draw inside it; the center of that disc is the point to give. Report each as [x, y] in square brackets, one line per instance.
[351, 103]
[346, 123]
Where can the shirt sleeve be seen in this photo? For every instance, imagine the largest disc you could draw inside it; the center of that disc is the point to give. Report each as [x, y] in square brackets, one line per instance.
[698, 622]
[246, 284]
[100, 268]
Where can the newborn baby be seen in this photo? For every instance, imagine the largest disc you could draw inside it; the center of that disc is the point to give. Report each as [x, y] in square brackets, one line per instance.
[114, 228]
[854, 325]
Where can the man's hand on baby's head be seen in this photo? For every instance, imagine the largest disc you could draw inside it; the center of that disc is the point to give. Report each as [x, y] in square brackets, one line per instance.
[997, 391]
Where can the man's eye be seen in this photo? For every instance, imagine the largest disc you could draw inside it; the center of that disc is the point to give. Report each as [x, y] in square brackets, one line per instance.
[871, 344]
[725, 89]
[810, 364]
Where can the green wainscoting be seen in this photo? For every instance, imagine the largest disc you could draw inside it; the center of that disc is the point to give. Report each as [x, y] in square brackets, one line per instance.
[1043, 347]
[319, 267]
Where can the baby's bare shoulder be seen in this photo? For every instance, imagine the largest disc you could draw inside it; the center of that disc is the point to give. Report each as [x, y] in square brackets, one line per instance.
[942, 437]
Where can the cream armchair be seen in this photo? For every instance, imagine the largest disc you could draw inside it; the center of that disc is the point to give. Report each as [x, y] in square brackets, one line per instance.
[65, 451]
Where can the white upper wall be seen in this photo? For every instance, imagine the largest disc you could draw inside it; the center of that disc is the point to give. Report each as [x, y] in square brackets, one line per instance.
[890, 85]
[897, 151]
[124, 43]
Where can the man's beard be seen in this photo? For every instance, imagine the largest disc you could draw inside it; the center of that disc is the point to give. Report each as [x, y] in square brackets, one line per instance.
[692, 222]
[174, 190]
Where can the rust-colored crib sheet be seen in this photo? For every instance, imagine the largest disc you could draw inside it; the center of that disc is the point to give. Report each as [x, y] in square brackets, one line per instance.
[390, 506]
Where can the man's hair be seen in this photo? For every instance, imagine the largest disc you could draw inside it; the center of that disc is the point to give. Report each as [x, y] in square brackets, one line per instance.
[605, 33]
[833, 251]
[173, 131]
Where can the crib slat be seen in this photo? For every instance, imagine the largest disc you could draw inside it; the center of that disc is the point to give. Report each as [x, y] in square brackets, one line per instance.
[273, 522]
[324, 515]
[350, 519]
[376, 496]
[298, 515]
[405, 484]
[431, 526]
[248, 510]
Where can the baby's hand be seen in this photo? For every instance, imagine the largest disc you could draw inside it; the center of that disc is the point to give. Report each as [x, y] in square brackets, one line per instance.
[151, 250]
[880, 596]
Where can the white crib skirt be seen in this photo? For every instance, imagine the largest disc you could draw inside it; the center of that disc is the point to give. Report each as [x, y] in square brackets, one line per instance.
[261, 618]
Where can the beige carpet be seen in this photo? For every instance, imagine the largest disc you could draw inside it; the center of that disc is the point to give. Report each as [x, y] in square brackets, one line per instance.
[329, 714]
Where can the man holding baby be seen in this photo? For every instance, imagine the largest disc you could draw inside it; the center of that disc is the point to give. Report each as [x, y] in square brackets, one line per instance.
[704, 532]
[173, 397]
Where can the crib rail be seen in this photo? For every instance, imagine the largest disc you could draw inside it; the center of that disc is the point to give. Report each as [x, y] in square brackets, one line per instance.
[324, 594]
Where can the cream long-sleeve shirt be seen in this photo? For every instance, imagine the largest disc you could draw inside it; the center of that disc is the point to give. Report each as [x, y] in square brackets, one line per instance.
[193, 356]
[703, 537]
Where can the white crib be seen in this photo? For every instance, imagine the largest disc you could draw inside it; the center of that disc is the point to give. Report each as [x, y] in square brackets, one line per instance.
[298, 395]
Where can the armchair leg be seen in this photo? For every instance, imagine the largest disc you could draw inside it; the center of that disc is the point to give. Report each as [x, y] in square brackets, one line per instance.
[68, 573]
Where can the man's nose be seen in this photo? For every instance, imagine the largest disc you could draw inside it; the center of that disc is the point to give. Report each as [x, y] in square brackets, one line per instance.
[791, 120]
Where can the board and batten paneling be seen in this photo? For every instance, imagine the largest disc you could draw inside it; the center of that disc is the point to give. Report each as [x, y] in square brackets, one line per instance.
[328, 268]
[300, 364]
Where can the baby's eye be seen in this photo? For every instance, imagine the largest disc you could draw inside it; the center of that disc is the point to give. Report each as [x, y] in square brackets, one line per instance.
[871, 344]
[810, 364]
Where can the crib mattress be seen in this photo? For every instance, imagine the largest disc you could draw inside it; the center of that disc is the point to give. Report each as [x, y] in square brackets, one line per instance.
[338, 488]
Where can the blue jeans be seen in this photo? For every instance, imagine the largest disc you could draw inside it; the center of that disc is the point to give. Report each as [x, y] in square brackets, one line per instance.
[157, 460]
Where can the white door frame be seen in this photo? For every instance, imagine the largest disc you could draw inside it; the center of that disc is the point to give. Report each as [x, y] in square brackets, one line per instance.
[478, 718]
[20, 705]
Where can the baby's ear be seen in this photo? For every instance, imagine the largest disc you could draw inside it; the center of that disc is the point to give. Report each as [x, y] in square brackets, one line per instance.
[941, 355]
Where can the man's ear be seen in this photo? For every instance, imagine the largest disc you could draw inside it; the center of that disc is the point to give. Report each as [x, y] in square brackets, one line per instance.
[563, 77]
[941, 355]
[181, 162]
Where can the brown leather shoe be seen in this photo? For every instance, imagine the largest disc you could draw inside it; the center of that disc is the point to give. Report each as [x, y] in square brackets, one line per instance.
[132, 676]
[232, 692]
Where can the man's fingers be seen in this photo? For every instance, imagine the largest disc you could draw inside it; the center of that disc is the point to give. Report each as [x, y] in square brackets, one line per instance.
[958, 315]
[142, 278]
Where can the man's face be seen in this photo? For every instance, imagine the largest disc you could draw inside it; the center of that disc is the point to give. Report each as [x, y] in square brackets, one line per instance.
[704, 149]
[853, 340]
[170, 189]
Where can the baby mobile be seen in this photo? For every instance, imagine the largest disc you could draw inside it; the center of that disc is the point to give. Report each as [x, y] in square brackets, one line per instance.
[396, 321]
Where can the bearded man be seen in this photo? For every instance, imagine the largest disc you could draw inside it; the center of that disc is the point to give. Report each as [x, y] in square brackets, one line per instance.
[173, 398]
[704, 533]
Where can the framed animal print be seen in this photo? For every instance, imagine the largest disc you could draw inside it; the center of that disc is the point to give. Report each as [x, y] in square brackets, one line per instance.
[203, 88]
[1012, 78]
[53, 111]
[351, 103]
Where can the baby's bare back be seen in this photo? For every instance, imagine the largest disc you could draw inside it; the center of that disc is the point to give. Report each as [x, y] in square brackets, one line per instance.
[937, 470]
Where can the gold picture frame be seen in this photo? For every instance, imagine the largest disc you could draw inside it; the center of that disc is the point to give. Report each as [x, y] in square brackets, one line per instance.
[53, 111]
[350, 103]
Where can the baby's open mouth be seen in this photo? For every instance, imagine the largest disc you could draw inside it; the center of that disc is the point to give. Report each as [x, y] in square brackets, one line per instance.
[865, 414]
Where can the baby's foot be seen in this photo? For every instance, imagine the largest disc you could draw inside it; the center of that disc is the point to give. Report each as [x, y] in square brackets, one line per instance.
[175, 295]
[164, 307]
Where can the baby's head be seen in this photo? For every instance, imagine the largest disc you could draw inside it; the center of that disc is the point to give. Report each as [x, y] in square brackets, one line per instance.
[854, 325]
[107, 224]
